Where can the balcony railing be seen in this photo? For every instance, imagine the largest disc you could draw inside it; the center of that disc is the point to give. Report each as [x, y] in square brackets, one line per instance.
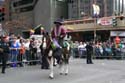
[89, 24]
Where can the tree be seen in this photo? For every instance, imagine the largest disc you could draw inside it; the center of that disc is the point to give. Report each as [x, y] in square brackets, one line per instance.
[16, 25]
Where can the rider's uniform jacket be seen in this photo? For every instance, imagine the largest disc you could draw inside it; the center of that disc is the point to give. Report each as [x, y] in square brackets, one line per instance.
[58, 32]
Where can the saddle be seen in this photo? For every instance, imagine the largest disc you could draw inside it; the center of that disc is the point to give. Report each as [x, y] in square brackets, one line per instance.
[63, 44]
[55, 44]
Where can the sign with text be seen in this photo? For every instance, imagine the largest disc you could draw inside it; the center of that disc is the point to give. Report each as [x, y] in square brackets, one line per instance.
[117, 33]
[104, 21]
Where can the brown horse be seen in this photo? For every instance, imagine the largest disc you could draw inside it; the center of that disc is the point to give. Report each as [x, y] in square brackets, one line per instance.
[60, 54]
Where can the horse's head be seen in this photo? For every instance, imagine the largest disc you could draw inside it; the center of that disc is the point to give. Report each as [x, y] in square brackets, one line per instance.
[44, 43]
[47, 42]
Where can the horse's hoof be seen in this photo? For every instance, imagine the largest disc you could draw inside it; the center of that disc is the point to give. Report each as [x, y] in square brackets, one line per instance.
[66, 73]
[61, 73]
[54, 65]
[50, 77]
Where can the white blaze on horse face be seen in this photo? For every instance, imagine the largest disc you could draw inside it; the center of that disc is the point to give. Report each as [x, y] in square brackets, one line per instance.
[44, 43]
[50, 53]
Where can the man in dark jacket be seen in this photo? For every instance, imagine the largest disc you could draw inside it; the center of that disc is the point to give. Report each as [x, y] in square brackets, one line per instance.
[4, 51]
[89, 49]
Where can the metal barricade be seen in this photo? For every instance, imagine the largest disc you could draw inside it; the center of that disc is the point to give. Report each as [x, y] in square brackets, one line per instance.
[117, 54]
[27, 58]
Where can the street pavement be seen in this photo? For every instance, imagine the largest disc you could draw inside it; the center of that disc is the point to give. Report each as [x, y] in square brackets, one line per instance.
[102, 71]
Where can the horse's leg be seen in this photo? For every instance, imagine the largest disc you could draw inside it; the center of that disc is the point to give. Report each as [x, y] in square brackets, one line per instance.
[54, 62]
[51, 68]
[49, 57]
[66, 64]
[61, 68]
[51, 64]
[61, 65]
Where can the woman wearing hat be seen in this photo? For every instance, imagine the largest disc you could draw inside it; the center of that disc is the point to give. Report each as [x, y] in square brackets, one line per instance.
[58, 32]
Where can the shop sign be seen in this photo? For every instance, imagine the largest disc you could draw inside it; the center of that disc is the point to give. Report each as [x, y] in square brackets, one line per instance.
[117, 33]
[104, 21]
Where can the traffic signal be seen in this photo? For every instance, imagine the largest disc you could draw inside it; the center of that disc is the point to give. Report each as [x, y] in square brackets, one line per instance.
[114, 22]
[2, 14]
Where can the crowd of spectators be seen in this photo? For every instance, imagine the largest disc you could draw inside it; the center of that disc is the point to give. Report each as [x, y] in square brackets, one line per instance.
[28, 50]
[23, 50]
[106, 50]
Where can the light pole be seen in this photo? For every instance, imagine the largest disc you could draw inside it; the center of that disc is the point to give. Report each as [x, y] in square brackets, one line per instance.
[95, 30]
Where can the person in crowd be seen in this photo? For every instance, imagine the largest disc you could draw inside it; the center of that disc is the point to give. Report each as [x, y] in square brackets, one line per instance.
[27, 52]
[21, 54]
[72, 47]
[89, 48]
[14, 51]
[97, 50]
[75, 49]
[4, 52]
[33, 51]
[123, 50]
[108, 50]
[81, 49]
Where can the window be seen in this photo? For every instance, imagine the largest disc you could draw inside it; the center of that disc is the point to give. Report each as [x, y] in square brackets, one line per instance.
[86, 1]
[25, 9]
[22, 2]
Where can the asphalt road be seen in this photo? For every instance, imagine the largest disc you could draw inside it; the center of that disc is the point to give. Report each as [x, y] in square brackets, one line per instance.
[102, 71]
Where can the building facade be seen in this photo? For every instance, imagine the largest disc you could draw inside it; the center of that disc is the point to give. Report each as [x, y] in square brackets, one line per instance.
[48, 12]
[34, 12]
[119, 7]
[81, 8]
[23, 10]
[19, 15]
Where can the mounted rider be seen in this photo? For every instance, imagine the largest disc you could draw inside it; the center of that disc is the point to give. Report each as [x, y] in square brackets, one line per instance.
[58, 33]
